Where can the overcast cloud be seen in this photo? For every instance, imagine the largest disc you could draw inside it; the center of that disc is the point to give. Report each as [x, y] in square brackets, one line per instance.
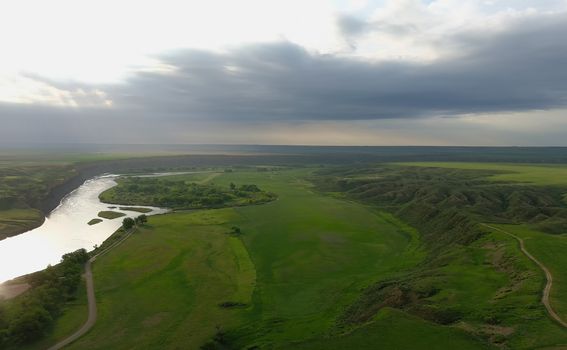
[458, 77]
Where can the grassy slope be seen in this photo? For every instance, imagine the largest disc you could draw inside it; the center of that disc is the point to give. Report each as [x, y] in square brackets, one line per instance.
[14, 221]
[533, 173]
[533, 326]
[162, 287]
[312, 254]
[393, 329]
[492, 278]
[551, 250]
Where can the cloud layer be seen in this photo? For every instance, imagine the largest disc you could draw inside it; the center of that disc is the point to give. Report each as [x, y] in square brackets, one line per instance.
[516, 67]
[521, 68]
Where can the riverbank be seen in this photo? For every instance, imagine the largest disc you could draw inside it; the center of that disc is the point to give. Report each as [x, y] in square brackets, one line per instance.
[18, 285]
[86, 167]
[66, 230]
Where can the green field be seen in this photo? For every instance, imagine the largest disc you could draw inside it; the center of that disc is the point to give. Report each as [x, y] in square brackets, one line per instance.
[303, 262]
[300, 261]
[537, 174]
[164, 285]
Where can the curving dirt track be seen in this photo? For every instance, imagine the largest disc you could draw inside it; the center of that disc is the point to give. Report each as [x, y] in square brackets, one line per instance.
[548, 276]
[91, 299]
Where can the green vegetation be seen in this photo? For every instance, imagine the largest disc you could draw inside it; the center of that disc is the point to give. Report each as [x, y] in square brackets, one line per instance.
[29, 316]
[94, 221]
[392, 329]
[331, 264]
[284, 281]
[141, 219]
[22, 188]
[138, 209]
[72, 316]
[128, 223]
[537, 174]
[163, 286]
[449, 202]
[470, 279]
[14, 221]
[109, 214]
[181, 194]
[550, 250]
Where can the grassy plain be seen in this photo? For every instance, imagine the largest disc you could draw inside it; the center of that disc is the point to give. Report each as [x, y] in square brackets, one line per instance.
[299, 262]
[162, 288]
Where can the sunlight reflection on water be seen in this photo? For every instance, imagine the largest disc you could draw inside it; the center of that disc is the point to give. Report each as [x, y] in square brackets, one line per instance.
[65, 230]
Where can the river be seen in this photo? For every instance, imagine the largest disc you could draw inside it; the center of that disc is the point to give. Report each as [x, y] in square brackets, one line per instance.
[64, 230]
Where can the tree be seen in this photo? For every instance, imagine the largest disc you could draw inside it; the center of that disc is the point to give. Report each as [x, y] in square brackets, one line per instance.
[142, 219]
[235, 230]
[232, 186]
[128, 223]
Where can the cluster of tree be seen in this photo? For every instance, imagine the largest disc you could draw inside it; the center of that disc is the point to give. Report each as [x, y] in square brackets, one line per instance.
[179, 194]
[128, 223]
[28, 317]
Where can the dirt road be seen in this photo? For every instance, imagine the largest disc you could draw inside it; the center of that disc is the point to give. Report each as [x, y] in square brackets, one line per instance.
[91, 298]
[548, 276]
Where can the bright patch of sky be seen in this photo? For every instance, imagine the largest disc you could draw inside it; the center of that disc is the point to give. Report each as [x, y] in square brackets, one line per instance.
[105, 40]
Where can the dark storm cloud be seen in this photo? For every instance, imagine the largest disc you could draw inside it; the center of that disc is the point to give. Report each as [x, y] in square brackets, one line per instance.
[521, 68]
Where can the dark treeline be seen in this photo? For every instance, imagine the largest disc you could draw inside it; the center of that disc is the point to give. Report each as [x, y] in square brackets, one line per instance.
[179, 194]
[29, 316]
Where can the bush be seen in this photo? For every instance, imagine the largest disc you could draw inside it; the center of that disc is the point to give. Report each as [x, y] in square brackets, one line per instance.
[128, 223]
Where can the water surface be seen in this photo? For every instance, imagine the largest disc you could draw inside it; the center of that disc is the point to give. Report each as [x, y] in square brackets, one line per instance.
[64, 230]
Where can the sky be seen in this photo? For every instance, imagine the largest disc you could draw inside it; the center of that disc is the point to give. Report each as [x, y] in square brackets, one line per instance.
[334, 72]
